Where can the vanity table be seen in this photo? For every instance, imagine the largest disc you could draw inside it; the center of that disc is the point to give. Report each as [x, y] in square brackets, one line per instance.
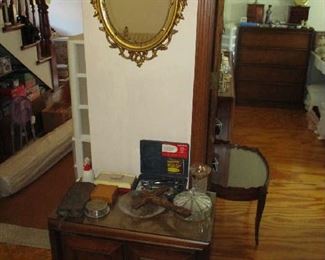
[243, 175]
[119, 236]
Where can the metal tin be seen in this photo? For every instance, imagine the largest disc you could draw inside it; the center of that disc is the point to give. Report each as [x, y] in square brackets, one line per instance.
[96, 208]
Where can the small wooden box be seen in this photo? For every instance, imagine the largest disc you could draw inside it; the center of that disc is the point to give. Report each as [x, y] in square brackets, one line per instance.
[107, 193]
[255, 13]
[298, 14]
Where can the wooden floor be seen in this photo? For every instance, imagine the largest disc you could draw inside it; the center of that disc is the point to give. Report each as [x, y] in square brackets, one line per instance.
[293, 225]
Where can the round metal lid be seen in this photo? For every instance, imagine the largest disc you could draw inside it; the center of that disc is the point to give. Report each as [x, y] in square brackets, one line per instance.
[96, 208]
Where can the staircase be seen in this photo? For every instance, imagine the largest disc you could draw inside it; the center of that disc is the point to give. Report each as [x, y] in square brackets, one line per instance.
[37, 56]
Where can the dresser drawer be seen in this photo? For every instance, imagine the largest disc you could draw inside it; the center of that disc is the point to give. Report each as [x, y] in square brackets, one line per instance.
[254, 92]
[270, 74]
[83, 247]
[286, 39]
[135, 251]
[273, 57]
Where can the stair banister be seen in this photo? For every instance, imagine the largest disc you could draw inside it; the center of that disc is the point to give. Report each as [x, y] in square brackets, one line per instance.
[32, 5]
[19, 8]
[45, 29]
[6, 19]
[27, 10]
[12, 10]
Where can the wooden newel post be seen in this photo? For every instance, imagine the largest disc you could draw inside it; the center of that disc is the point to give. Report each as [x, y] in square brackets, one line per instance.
[45, 29]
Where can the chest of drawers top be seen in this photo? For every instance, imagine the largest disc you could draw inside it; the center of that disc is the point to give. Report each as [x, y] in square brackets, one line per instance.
[275, 38]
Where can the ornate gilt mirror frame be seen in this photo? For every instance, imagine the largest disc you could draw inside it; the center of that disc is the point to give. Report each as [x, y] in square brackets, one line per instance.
[139, 52]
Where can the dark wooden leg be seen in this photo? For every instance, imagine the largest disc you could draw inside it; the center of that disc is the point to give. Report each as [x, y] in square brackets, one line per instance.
[259, 213]
[12, 133]
[55, 241]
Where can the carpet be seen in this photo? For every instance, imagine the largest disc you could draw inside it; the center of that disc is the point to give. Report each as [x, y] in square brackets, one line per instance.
[23, 216]
[24, 236]
[31, 206]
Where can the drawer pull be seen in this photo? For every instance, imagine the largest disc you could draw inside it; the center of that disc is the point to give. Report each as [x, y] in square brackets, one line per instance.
[218, 127]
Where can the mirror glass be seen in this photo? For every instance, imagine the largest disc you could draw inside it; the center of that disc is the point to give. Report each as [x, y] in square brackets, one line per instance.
[138, 21]
[139, 28]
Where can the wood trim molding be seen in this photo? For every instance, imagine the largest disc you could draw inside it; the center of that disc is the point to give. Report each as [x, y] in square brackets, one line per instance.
[203, 68]
[214, 92]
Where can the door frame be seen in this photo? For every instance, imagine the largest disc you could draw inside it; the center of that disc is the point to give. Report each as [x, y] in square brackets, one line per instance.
[206, 50]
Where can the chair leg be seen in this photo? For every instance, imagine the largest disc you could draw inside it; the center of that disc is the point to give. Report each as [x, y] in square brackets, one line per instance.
[25, 134]
[32, 123]
[12, 133]
[20, 136]
[259, 213]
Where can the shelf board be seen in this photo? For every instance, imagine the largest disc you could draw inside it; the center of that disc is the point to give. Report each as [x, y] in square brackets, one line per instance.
[77, 39]
[82, 138]
[81, 75]
[83, 106]
[85, 138]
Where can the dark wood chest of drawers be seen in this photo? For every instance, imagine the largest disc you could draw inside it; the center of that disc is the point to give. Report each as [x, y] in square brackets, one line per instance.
[272, 66]
[120, 236]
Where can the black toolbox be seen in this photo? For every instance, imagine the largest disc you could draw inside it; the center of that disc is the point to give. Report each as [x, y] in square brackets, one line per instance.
[163, 163]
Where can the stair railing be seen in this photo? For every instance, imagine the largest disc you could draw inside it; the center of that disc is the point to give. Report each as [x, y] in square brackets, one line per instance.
[45, 28]
[36, 13]
[32, 11]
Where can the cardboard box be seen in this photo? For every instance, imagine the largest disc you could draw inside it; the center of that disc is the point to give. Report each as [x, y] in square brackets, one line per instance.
[55, 116]
[33, 93]
[108, 193]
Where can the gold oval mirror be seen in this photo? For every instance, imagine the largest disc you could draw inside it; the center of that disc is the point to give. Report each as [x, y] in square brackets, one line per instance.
[139, 28]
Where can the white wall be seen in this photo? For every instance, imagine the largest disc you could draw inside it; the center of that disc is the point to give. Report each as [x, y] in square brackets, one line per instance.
[235, 9]
[127, 103]
[317, 14]
[66, 16]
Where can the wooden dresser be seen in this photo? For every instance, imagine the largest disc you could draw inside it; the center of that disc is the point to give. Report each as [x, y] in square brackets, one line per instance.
[119, 236]
[272, 66]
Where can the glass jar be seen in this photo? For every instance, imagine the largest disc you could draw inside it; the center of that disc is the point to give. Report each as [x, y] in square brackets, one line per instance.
[199, 175]
[199, 203]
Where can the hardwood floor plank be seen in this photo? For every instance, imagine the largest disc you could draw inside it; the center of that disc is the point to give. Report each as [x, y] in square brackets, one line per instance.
[14, 252]
[293, 224]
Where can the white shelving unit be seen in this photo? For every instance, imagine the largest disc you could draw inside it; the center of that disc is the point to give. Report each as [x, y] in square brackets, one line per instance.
[229, 38]
[315, 96]
[79, 102]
